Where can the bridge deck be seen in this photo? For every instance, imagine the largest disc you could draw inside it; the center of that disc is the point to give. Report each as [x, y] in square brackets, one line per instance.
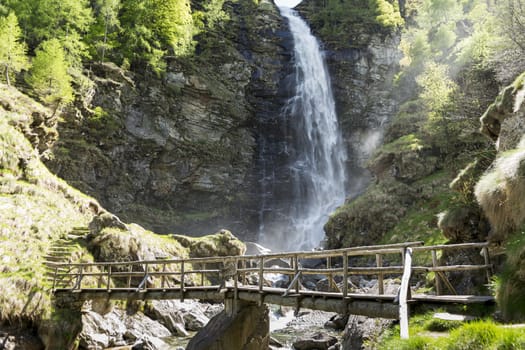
[188, 278]
[372, 305]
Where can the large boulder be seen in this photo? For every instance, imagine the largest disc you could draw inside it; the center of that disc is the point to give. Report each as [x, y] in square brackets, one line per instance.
[118, 328]
[501, 189]
[360, 330]
[222, 243]
[247, 329]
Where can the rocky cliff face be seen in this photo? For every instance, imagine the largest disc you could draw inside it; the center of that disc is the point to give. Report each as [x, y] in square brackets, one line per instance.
[177, 153]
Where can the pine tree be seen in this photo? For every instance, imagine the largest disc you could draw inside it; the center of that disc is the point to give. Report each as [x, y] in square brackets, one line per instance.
[48, 75]
[105, 27]
[12, 52]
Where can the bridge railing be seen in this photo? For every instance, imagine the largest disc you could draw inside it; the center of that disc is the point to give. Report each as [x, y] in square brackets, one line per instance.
[337, 266]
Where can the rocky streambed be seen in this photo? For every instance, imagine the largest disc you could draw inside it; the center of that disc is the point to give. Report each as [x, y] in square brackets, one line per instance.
[170, 324]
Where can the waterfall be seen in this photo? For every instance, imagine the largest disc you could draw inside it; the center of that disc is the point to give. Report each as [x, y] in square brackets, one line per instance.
[313, 184]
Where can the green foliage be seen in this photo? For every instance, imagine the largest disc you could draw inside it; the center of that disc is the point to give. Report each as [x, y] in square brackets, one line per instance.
[475, 335]
[405, 143]
[174, 24]
[12, 52]
[104, 32]
[48, 75]
[336, 19]
[511, 282]
[436, 86]
[387, 13]
[102, 122]
[485, 335]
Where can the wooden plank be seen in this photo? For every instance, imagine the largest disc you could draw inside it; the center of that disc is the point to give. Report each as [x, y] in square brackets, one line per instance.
[403, 295]
[458, 299]
[380, 283]
[450, 246]
[437, 281]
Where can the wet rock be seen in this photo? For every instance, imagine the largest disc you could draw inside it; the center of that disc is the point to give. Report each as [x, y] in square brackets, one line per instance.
[151, 343]
[140, 326]
[253, 248]
[100, 331]
[360, 329]
[167, 314]
[318, 341]
[212, 310]
[337, 322]
[192, 313]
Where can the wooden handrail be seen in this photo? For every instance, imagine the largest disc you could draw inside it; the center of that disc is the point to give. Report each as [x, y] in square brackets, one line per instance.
[337, 264]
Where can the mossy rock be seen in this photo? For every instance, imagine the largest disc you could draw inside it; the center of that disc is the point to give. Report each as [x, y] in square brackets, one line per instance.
[222, 243]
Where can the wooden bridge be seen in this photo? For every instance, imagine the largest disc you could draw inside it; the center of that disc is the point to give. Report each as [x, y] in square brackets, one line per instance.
[245, 278]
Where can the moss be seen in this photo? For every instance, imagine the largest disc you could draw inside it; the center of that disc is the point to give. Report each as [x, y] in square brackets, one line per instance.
[420, 222]
[222, 243]
[500, 192]
[510, 288]
[37, 209]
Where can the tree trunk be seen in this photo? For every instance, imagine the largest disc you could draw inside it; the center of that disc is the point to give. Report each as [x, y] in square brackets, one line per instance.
[7, 75]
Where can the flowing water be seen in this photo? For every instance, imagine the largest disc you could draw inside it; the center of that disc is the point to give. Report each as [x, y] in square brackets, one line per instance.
[315, 154]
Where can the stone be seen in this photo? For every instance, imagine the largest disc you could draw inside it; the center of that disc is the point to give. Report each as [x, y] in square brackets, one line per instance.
[247, 329]
[167, 313]
[318, 341]
[101, 331]
[151, 343]
[140, 326]
[361, 329]
[192, 313]
[337, 322]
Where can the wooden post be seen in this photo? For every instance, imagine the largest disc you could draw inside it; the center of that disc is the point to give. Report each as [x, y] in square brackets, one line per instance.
[202, 274]
[296, 273]
[380, 283]
[261, 274]
[163, 277]
[486, 257]
[146, 277]
[345, 274]
[108, 286]
[79, 281]
[182, 281]
[330, 277]
[403, 294]
[437, 281]
[130, 270]
[235, 287]
[243, 266]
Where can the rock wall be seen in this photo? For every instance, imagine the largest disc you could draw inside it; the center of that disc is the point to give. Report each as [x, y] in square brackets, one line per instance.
[177, 153]
[362, 72]
[501, 189]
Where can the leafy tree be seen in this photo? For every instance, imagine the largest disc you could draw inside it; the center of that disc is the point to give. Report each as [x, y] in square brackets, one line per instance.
[139, 43]
[12, 52]
[66, 20]
[174, 24]
[106, 26]
[151, 28]
[48, 76]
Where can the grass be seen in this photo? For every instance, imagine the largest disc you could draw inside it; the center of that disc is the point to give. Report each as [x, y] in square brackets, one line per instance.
[36, 209]
[484, 334]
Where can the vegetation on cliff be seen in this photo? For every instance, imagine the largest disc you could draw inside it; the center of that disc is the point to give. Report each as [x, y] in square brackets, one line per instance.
[39, 213]
[337, 20]
[448, 78]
